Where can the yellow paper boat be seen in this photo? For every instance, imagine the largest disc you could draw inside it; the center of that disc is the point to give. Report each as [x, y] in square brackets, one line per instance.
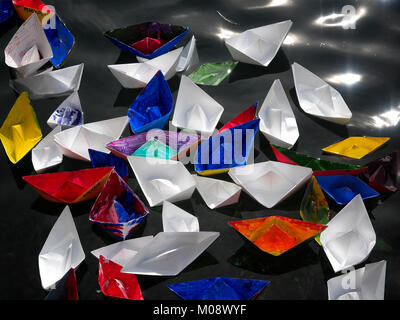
[356, 147]
[20, 131]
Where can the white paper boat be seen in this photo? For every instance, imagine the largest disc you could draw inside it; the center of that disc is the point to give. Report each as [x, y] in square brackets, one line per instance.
[350, 237]
[68, 114]
[195, 109]
[177, 220]
[217, 193]
[189, 58]
[170, 252]
[46, 154]
[50, 83]
[270, 182]
[259, 45]
[318, 98]
[278, 123]
[28, 49]
[137, 75]
[162, 180]
[123, 251]
[61, 251]
[76, 141]
[366, 283]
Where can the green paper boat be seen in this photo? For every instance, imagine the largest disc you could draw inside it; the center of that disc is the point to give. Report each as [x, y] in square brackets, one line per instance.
[155, 149]
[212, 74]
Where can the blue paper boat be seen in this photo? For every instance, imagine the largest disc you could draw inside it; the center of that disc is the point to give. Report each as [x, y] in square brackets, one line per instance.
[228, 149]
[6, 10]
[125, 38]
[152, 107]
[101, 159]
[61, 41]
[65, 289]
[219, 289]
[343, 188]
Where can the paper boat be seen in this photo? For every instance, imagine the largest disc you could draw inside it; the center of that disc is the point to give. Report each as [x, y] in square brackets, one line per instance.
[155, 149]
[123, 251]
[76, 141]
[66, 288]
[6, 10]
[278, 123]
[177, 220]
[69, 187]
[318, 98]
[270, 182]
[319, 166]
[46, 154]
[61, 41]
[68, 114]
[368, 283]
[225, 150]
[61, 251]
[50, 84]
[138, 75]
[212, 74]
[381, 174]
[350, 237]
[181, 141]
[114, 283]
[343, 188]
[189, 58]
[170, 252]
[28, 49]
[276, 235]
[162, 180]
[314, 207]
[117, 208]
[152, 107]
[194, 109]
[148, 40]
[20, 131]
[259, 45]
[25, 8]
[100, 160]
[219, 289]
[217, 193]
[245, 116]
[356, 147]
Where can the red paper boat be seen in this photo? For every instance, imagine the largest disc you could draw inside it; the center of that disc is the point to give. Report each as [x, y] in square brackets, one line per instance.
[70, 187]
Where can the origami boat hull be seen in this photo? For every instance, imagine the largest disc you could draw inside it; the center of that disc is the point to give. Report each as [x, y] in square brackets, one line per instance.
[46, 154]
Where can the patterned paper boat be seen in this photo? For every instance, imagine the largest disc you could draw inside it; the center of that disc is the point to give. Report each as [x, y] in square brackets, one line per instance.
[276, 235]
[318, 98]
[68, 114]
[212, 74]
[69, 187]
[46, 154]
[228, 149]
[25, 8]
[175, 219]
[270, 182]
[278, 123]
[152, 107]
[245, 116]
[189, 58]
[117, 208]
[259, 45]
[148, 40]
[194, 109]
[155, 149]
[219, 289]
[350, 236]
[343, 188]
[356, 147]
[66, 288]
[138, 75]
[100, 160]
[319, 166]
[20, 131]
[114, 283]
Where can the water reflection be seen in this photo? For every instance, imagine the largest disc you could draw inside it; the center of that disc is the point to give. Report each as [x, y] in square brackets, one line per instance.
[387, 119]
[225, 33]
[344, 20]
[347, 78]
[271, 4]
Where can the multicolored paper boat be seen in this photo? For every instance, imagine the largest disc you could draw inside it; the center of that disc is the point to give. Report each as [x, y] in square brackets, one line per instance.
[276, 235]
[66, 288]
[152, 107]
[25, 8]
[70, 187]
[148, 39]
[100, 160]
[68, 114]
[117, 208]
[219, 289]
[155, 149]
[245, 116]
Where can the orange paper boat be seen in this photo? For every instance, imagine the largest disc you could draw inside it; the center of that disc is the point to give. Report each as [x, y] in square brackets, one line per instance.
[276, 235]
[70, 187]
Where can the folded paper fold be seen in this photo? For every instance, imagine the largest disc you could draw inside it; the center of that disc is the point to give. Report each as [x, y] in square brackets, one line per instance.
[177, 220]
[68, 114]
[46, 154]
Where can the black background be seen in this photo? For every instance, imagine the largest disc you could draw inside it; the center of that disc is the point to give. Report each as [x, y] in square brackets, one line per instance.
[371, 50]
